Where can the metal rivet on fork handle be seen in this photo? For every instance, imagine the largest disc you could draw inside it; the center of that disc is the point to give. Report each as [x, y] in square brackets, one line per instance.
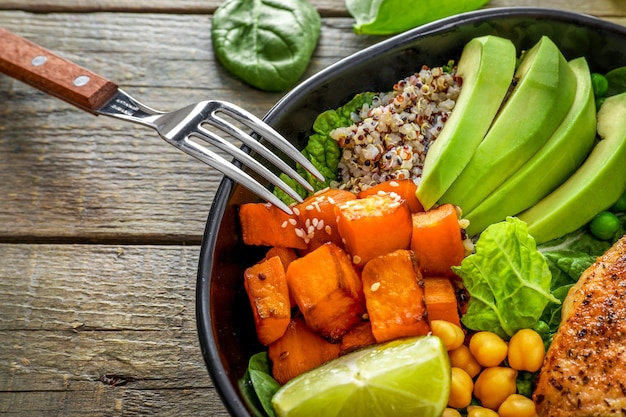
[81, 80]
[39, 60]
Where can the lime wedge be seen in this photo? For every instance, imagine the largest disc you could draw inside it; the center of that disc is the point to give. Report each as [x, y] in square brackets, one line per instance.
[406, 377]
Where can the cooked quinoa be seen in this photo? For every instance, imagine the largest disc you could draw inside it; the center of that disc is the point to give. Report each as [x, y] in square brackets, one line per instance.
[389, 138]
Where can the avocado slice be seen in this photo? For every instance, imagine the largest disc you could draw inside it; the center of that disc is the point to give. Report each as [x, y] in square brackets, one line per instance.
[594, 187]
[486, 66]
[551, 165]
[539, 102]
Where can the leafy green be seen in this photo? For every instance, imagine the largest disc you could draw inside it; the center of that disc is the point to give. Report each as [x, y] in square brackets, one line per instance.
[258, 386]
[507, 278]
[617, 81]
[388, 17]
[322, 150]
[266, 43]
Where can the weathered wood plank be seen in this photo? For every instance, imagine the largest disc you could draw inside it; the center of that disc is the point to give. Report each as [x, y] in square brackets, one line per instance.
[603, 8]
[71, 314]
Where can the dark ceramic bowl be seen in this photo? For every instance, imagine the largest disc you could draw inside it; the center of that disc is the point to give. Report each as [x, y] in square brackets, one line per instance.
[225, 324]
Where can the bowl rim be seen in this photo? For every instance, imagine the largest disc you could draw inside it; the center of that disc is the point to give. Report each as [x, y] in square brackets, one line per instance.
[228, 393]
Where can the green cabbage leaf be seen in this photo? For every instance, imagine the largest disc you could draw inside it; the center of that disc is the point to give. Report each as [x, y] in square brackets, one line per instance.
[508, 280]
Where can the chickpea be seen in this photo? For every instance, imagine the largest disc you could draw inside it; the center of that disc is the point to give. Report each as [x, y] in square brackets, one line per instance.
[461, 357]
[517, 405]
[488, 348]
[461, 388]
[451, 412]
[494, 385]
[450, 334]
[477, 411]
[526, 351]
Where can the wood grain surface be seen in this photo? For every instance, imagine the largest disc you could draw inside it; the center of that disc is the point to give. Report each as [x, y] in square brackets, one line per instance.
[101, 221]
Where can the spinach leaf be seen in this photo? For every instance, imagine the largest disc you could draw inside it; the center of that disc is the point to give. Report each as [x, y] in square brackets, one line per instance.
[617, 81]
[266, 43]
[388, 17]
[507, 278]
[258, 386]
[322, 150]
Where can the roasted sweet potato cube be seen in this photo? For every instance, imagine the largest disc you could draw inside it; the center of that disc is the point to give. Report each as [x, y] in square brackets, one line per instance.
[394, 296]
[299, 350]
[317, 215]
[327, 290]
[266, 285]
[373, 226]
[441, 302]
[263, 224]
[286, 255]
[437, 241]
[405, 188]
[357, 337]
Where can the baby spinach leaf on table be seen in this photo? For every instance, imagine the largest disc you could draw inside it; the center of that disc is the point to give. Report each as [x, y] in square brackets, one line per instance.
[507, 278]
[266, 43]
[388, 17]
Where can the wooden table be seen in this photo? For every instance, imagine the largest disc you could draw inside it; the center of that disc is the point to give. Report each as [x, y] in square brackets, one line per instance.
[101, 221]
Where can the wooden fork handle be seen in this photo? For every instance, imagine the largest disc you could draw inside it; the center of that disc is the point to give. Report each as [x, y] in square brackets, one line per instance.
[40, 68]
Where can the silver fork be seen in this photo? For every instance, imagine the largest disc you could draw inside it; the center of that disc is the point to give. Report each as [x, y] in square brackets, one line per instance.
[42, 69]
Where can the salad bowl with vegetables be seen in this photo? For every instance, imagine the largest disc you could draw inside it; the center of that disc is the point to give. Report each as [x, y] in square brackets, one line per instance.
[514, 231]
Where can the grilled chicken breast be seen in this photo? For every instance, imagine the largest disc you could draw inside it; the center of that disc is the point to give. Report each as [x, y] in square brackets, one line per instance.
[584, 372]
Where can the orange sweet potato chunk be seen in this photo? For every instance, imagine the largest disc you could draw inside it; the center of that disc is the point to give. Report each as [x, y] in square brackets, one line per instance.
[394, 296]
[286, 255]
[405, 188]
[436, 240]
[264, 224]
[317, 215]
[299, 350]
[266, 286]
[441, 302]
[358, 337]
[327, 290]
[373, 226]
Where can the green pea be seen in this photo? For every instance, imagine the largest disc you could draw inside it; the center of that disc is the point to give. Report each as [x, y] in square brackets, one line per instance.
[600, 84]
[620, 205]
[604, 225]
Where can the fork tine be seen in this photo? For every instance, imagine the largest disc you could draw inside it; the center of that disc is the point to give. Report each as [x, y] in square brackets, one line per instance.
[231, 171]
[244, 158]
[254, 144]
[263, 129]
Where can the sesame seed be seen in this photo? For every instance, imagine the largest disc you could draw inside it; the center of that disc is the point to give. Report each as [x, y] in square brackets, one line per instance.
[310, 230]
[375, 286]
[317, 206]
[320, 225]
[299, 233]
[309, 207]
[328, 230]
[284, 225]
[293, 222]
[394, 184]
[315, 221]
[356, 259]
[331, 200]
[296, 211]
